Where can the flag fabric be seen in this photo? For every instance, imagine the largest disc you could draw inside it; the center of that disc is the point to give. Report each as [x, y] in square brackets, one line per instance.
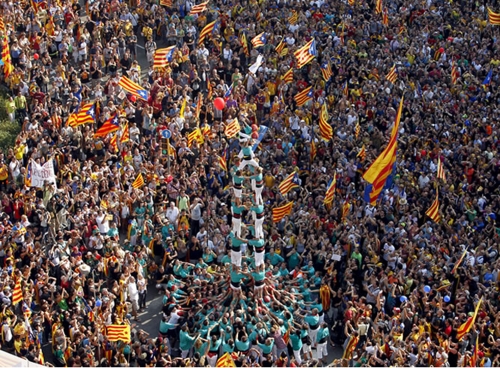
[304, 96]
[232, 129]
[222, 163]
[288, 76]
[86, 115]
[325, 129]
[314, 150]
[17, 293]
[195, 135]
[467, 325]
[325, 296]
[474, 357]
[8, 67]
[118, 333]
[281, 46]
[110, 126]
[351, 2]
[351, 345]
[2, 24]
[229, 92]
[345, 90]
[330, 190]
[244, 43]
[167, 3]
[345, 208]
[36, 5]
[357, 129]
[210, 90]
[306, 53]
[392, 76]
[259, 40]
[326, 71]
[27, 178]
[225, 360]
[493, 18]
[138, 182]
[289, 183]
[385, 18]
[440, 170]
[286, 336]
[198, 107]
[133, 88]
[183, 107]
[125, 137]
[114, 143]
[280, 212]
[487, 80]
[454, 73]
[294, 18]
[163, 57]
[208, 29]
[362, 153]
[433, 211]
[459, 261]
[378, 7]
[197, 9]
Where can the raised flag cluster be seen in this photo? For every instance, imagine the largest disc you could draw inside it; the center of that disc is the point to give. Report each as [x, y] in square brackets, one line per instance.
[288, 76]
[259, 40]
[207, 30]
[133, 88]
[304, 96]
[326, 71]
[86, 115]
[163, 57]
[138, 182]
[110, 126]
[306, 53]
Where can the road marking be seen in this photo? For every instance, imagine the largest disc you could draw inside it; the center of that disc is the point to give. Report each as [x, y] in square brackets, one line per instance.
[142, 47]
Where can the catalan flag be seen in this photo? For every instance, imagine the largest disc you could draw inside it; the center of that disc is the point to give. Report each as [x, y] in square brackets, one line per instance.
[330, 190]
[325, 129]
[2, 24]
[357, 129]
[392, 76]
[346, 207]
[118, 333]
[163, 57]
[198, 106]
[110, 126]
[474, 358]
[454, 73]
[133, 88]
[244, 43]
[197, 9]
[465, 327]
[433, 211]
[280, 47]
[167, 3]
[351, 345]
[86, 115]
[382, 167]
[326, 71]
[306, 53]
[114, 143]
[314, 150]
[288, 76]
[437, 54]
[304, 96]
[459, 261]
[36, 5]
[17, 293]
[225, 360]
[183, 107]
[289, 183]
[232, 129]
[259, 40]
[195, 135]
[222, 163]
[8, 67]
[207, 30]
[280, 212]
[294, 18]
[385, 18]
[362, 153]
[493, 18]
[440, 170]
[138, 182]
[125, 137]
[351, 2]
[345, 90]
[378, 7]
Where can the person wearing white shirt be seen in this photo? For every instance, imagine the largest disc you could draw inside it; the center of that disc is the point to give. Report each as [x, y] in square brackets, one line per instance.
[102, 222]
[172, 214]
[133, 296]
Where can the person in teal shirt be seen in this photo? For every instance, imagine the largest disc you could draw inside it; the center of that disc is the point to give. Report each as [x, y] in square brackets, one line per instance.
[243, 345]
[213, 351]
[236, 276]
[186, 341]
[237, 214]
[322, 347]
[259, 248]
[208, 256]
[228, 347]
[313, 322]
[293, 259]
[140, 212]
[267, 347]
[309, 269]
[236, 244]
[296, 342]
[273, 257]
[113, 231]
[259, 276]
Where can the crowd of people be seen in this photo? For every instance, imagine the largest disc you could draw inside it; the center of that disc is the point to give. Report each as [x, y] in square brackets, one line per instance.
[190, 217]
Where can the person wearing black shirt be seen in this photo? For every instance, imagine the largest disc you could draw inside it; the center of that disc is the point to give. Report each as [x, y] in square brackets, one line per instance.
[195, 249]
[126, 63]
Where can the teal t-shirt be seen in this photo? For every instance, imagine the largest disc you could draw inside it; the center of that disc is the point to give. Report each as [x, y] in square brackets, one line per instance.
[186, 341]
[242, 346]
[296, 342]
[274, 258]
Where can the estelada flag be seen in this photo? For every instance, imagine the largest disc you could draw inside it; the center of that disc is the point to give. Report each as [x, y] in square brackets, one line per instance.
[195, 135]
[324, 293]
[198, 8]
[330, 191]
[325, 129]
[232, 128]
[362, 153]
[465, 327]
[282, 211]
[138, 182]
[17, 293]
[225, 361]
[118, 333]
[433, 211]
[493, 18]
[289, 183]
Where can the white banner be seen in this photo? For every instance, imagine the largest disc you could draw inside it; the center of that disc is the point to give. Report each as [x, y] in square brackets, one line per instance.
[42, 174]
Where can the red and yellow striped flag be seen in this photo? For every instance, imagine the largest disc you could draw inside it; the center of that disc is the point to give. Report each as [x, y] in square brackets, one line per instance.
[362, 153]
[138, 182]
[378, 7]
[197, 136]
[225, 360]
[17, 293]
[314, 150]
[392, 76]
[8, 67]
[280, 47]
[288, 76]
[325, 295]
[208, 29]
[167, 3]
[163, 57]
[118, 333]
[197, 9]
[440, 170]
[465, 327]
[474, 358]
[459, 261]
[351, 345]
[433, 211]
[114, 143]
[305, 54]
[325, 129]
[385, 18]
[244, 43]
[280, 212]
[222, 163]
[289, 183]
[357, 129]
[125, 137]
[133, 88]
[232, 129]
[493, 18]
[294, 18]
[330, 190]
[454, 73]
[304, 96]
[351, 2]
[346, 207]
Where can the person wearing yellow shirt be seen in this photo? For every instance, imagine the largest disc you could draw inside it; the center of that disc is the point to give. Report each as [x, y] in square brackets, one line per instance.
[11, 109]
[21, 104]
[267, 100]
